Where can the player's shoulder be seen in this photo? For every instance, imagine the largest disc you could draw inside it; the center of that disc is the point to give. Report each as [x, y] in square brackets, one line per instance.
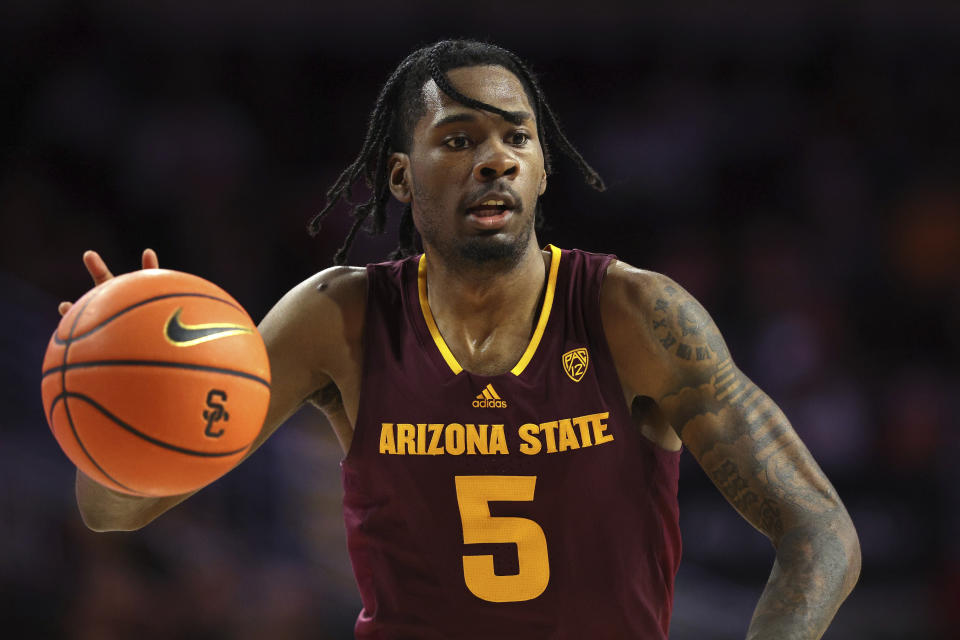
[342, 287]
[339, 285]
[633, 291]
[649, 311]
[642, 307]
[334, 297]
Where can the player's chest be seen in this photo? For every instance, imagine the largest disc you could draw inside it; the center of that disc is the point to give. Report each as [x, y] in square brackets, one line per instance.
[540, 413]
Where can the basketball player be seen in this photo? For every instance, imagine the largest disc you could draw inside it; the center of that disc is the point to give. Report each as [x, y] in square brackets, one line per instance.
[512, 416]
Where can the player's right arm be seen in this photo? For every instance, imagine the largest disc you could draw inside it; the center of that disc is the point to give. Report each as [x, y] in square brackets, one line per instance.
[313, 336]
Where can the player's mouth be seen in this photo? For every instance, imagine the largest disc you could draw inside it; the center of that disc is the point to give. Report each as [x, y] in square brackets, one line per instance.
[491, 212]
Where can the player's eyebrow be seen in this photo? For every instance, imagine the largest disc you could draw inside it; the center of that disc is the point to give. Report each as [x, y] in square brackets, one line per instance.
[515, 116]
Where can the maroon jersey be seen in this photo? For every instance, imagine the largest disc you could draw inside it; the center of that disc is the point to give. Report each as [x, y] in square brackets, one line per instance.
[521, 505]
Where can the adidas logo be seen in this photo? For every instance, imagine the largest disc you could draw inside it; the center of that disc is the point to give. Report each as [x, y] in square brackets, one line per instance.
[488, 398]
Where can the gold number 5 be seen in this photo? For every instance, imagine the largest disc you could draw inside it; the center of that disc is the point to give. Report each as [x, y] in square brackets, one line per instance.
[473, 495]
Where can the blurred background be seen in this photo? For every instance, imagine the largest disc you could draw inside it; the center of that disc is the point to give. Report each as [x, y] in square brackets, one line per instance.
[794, 167]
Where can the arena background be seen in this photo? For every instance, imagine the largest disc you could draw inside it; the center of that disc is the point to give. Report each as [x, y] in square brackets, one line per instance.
[795, 168]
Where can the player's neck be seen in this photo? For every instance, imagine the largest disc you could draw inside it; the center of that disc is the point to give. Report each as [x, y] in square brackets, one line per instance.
[472, 309]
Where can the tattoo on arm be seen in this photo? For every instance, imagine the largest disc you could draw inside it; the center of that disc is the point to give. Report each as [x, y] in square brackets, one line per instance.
[808, 583]
[714, 391]
[678, 324]
[747, 446]
[735, 487]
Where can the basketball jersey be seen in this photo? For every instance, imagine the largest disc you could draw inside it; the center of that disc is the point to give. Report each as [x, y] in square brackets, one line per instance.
[521, 505]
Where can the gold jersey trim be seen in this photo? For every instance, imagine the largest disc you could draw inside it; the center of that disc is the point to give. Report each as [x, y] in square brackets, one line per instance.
[428, 316]
[448, 356]
[544, 312]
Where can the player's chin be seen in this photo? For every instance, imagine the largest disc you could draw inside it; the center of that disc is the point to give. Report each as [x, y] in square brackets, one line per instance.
[492, 247]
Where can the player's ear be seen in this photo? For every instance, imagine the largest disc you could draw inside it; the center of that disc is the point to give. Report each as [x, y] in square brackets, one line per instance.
[543, 183]
[399, 176]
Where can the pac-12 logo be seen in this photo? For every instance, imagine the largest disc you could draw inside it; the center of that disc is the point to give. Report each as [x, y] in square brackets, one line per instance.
[575, 363]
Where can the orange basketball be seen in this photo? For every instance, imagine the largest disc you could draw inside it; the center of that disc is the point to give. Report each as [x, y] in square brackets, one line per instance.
[156, 383]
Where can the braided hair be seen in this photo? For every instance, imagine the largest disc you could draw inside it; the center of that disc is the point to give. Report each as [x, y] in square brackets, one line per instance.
[400, 106]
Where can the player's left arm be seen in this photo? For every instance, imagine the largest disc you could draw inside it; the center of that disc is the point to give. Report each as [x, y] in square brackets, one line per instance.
[675, 354]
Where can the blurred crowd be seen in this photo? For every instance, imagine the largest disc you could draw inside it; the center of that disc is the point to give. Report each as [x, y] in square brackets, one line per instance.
[795, 169]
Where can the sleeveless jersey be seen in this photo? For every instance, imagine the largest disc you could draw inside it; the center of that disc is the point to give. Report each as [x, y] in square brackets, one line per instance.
[522, 505]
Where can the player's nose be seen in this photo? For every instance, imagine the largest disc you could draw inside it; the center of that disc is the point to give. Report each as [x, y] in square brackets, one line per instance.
[496, 163]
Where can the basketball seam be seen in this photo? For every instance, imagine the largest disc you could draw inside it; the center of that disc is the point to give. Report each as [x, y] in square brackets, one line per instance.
[160, 443]
[83, 447]
[153, 363]
[66, 405]
[72, 338]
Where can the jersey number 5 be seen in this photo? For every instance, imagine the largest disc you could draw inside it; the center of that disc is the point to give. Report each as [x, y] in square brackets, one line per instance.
[473, 495]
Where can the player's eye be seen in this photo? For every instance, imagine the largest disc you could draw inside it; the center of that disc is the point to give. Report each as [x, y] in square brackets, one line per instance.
[457, 142]
[519, 138]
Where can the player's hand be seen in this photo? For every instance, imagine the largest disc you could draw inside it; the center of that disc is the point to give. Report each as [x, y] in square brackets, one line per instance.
[98, 270]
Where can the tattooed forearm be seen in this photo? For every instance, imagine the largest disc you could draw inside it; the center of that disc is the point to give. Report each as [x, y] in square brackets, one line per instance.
[815, 569]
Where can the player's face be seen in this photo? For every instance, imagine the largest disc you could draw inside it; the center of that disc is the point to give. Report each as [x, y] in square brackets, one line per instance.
[473, 178]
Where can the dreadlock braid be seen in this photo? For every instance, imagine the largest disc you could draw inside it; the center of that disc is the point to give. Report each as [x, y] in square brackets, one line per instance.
[399, 107]
[444, 84]
[590, 175]
[408, 240]
[369, 163]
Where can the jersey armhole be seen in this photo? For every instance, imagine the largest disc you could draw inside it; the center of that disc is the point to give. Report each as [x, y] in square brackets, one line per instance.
[365, 339]
[608, 370]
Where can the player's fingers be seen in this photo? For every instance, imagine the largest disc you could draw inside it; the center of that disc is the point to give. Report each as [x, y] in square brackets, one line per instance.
[63, 307]
[150, 260]
[96, 267]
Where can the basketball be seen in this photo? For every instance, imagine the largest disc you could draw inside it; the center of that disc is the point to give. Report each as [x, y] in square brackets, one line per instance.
[155, 383]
